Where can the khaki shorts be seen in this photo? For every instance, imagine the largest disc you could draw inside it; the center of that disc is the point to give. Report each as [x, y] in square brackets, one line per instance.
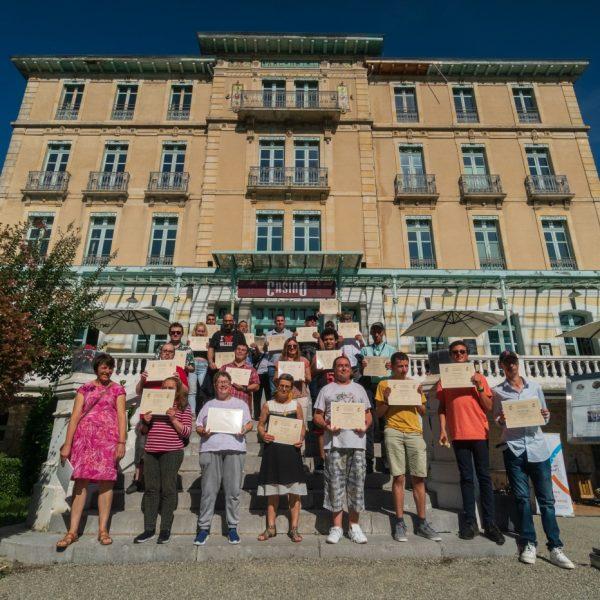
[406, 447]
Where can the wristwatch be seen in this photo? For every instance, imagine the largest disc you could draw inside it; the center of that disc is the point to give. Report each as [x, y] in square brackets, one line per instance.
[480, 390]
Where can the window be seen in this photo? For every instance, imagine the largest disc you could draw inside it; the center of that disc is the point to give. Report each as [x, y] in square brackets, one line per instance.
[499, 336]
[173, 158]
[464, 105]
[57, 157]
[576, 346]
[425, 345]
[541, 173]
[271, 155]
[405, 99]
[558, 244]
[149, 343]
[475, 176]
[307, 94]
[412, 170]
[306, 162]
[102, 230]
[162, 240]
[420, 244]
[125, 102]
[40, 230]
[115, 157]
[273, 94]
[269, 233]
[307, 233]
[180, 103]
[526, 105]
[70, 101]
[489, 244]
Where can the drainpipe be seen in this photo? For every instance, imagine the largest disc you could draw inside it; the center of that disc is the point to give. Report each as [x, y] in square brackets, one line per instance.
[507, 314]
[395, 304]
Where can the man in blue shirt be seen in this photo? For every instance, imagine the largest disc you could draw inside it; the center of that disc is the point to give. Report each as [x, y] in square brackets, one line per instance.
[526, 455]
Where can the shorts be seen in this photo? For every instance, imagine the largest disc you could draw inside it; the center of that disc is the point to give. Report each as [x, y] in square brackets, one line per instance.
[345, 470]
[403, 448]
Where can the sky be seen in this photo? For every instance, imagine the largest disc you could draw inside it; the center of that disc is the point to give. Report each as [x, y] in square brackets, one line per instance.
[531, 29]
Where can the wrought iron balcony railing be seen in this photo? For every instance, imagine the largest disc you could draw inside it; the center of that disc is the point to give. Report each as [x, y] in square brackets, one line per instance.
[415, 184]
[467, 116]
[423, 263]
[291, 177]
[67, 114]
[480, 184]
[561, 264]
[298, 100]
[492, 263]
[532, 116]
[122, 114]
[47, 181]
[92, 260]
[105, 181]
[159, 261]
[409, 116]
[547, 185]
[176, 114]
[168, 182]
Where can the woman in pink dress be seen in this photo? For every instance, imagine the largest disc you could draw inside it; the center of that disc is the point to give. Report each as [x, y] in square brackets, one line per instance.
[95, 442]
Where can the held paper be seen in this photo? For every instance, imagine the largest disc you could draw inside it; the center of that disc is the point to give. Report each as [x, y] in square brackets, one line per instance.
[457, 375]
[276, 342]
[64, 471]
[347, 415]
[404, 393]
[239, 376]
[212, 329]
[180, 358]
[522, 413]
[325, 358]
[159, 370]
[158, 402]
[249, 338]
[285, 430]
[329, 306]
[375, 366]
[224, 358]
[199, 344]
[294, 367]
[224, 420]
[305, 335]
[348, 330]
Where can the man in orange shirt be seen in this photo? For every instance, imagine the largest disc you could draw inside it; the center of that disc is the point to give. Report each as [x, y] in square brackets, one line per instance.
[462, 413]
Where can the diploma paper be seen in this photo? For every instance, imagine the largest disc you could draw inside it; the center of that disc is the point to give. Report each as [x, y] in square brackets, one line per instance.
[347, 415]
[180, 358]
[329, 306]
[293, 367]
[325, 358]
[159, 370]
[224, 420]
[276, 342]
[158, 402]
[64, 471]
[249, 338]
[211, 329]
[239, 376]
[199, 344]
[305, 334]
[224, 358]
[375, 366]
[456, 375]
[285, 430]
[348, 330]
[404, 393]
[523, 413]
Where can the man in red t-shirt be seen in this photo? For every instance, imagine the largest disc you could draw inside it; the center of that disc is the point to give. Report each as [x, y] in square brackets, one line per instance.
[462, 413]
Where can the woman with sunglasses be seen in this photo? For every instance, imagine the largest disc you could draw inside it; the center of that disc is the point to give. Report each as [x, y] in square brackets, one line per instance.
[281, 470]
[300, 391]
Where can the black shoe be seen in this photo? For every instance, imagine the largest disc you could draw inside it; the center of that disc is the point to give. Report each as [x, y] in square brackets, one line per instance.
[164, 537]
[467, 531]
[144, 537]
[134, 486]
[491, 532]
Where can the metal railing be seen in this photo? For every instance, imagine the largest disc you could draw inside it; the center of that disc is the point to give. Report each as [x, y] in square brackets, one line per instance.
[480, 184]
[423, 263]
[492, 263]
[288, 177]
[409, 116]
[47, 181]
[176, 114]
[299, 100]
[414, 183]
[532, 116]
[92, 260]
[67, 114]
[563, 263]
[547, 184]
[159, 261]
[105, 181]
[122, 114]
[467, 116]
[168, 182]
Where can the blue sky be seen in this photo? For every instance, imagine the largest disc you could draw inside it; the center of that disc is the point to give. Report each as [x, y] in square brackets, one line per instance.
[421, 28]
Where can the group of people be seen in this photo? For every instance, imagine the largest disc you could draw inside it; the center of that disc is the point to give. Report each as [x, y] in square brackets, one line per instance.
[95, 438]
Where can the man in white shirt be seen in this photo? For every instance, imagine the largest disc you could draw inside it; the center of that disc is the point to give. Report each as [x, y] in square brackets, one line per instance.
[273, 357]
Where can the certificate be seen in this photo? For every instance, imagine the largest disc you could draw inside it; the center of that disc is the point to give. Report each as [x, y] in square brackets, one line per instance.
[329, 306]
[375, 366]
[224, 420]
[348, 415]
[239, 376]
[523, 413]
[199, 344]
[456, 375]
[275, 342]
[325, 358]
[180, 358]
[249, 338]
[348, 330]
[285, 430]
[158, 402]
[305, 335]
[224, 358]
[212, 329]
[403, 392]
[294, 367]
[159, 370]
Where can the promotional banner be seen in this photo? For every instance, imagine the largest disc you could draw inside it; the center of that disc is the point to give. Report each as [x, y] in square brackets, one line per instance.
[583, 409]
[560, 484]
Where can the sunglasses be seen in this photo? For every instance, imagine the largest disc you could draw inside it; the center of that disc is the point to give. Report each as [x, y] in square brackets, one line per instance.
[459, 351]
[176, 333]
[292, 345]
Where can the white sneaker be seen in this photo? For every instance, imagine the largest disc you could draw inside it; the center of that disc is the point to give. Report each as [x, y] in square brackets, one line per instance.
[356, 534]
[559, 558]
[528, 554]
[335, 535]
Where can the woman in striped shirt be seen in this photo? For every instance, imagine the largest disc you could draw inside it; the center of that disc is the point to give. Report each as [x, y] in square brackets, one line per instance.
[166, 438]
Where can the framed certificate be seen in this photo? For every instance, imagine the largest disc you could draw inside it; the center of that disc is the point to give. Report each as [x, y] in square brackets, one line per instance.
[285, 430]
[239, 376]
[224, 358]
[212, 329]
[294, 367]
[158, 402]
[199, 344]
[522, 413]
[329, 306]
[403, 392]
[325, 358]
[348, 415]
[249, 338]
[348, 330]
[276, 342]
[375, 366]
[159, 370]
[305, 334]
[180, 358]
[456, 375]
[224, 420]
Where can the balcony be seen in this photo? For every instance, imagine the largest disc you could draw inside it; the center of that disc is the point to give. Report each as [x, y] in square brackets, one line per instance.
[548, 189]
[167, 187]
[409, 116]
[122, 114]
[267, 105]
[159, 261]
[563, 264]
[175, 114]
[415, 189]
[67, 114]
[492, 263]
[467, 116]
[93, 260]
[302, 182]
[44, 185]
[423, 263]
[532, 116]
[106, 186]
[481, 189]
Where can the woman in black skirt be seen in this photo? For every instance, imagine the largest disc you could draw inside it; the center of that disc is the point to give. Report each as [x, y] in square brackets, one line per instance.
[281, 469]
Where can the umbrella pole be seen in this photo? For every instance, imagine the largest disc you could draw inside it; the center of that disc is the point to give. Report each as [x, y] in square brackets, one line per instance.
[507, 314]
[395, 304]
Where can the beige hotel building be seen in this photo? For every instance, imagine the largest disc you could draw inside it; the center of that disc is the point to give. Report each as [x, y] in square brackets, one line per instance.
[274, 169]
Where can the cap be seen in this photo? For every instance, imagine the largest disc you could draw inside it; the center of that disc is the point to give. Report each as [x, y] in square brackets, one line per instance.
[378, 325]
[507, 355]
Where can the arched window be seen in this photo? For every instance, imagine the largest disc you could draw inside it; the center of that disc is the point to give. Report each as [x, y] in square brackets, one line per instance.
[576, 346]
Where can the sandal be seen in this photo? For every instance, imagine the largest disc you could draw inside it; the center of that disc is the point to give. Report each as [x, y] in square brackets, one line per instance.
[269, 532]
[69, 539]
[294, 535]
[104, 538]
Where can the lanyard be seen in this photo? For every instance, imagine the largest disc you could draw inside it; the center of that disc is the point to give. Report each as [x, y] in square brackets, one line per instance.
[382, 348]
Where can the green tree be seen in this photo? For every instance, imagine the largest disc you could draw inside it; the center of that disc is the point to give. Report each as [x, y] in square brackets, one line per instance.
[43, 302]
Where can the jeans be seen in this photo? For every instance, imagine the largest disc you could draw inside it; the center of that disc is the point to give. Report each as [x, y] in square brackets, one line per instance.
[265, 385]
[195, 381]
[468, 452]
[271, 372]
[374, 432]
[519, 470]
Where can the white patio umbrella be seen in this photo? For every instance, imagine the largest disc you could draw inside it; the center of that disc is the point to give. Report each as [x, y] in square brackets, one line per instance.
[589, 330]
[137, 321]
[453, 323]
